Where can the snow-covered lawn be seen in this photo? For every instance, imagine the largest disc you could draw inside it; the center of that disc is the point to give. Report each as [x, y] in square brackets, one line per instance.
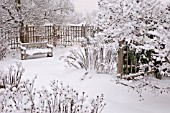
[117, 97]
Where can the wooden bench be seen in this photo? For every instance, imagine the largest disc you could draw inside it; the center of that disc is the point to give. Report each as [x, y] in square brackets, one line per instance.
[28, 49]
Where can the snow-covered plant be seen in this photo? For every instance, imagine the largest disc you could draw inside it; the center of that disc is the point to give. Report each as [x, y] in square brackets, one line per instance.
[87, 19]
[76, 18]
[50, 11]
[20, 12]
[143, 24]
[12, 78]
[3, 48]
[93, 56]
[77, 59]
[18, 99]
[97, 104]
[142, 84]
[21, 96]
[65, 99]
[34, 11]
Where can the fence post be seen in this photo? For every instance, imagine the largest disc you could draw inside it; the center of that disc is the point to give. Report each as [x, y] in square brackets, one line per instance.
[26, 34]
[120, 59]
[83, 31]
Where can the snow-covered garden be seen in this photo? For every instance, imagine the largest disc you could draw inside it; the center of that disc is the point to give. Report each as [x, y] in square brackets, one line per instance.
[51, 62]
[118, 98]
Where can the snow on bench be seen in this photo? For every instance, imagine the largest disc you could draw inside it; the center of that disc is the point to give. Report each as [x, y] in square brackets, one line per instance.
[29, 49]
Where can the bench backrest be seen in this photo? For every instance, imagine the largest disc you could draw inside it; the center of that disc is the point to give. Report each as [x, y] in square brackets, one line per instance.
[34, 45]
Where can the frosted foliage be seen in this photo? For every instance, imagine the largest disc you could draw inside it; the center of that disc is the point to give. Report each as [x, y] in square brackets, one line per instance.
[95, 55]
[3, 48]
[144, 24]
[20, 96]
[34, 11]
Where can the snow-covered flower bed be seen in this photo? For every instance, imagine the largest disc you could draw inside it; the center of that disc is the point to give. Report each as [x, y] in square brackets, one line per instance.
[20, 96]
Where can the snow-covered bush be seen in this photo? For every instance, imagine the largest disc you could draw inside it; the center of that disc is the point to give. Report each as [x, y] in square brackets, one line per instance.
[95, 55]
[143, 24]
[12, 78]
[144, 84]
[65, 99]
[3, 48]
[3, 44]
[20, 96]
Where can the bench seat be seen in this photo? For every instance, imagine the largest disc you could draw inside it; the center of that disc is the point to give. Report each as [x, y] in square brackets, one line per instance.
[29, 49]
[31, 52]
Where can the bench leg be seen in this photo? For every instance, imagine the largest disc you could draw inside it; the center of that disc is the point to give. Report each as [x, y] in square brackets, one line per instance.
[49, 54]
[23, 57]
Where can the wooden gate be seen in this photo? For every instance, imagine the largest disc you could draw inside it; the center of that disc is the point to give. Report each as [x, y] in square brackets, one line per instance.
[127, 60]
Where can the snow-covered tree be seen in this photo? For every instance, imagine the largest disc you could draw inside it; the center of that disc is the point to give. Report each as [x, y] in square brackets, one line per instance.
[20, 12]
[143, 24]
[76, 18]
[90, 17]
[35, 10]
[54, 11]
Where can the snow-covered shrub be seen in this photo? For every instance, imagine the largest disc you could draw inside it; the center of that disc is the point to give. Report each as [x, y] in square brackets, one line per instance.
[144, 84]
[3, 48]
[95, 55]
[65, 99]
[18, 99]
[21, 96]
[12, 78]
[77, 59]
[143, 24]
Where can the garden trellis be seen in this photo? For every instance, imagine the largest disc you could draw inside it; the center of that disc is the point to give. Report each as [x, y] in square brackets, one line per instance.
[127, 60]
[54, 34]
[133, 63]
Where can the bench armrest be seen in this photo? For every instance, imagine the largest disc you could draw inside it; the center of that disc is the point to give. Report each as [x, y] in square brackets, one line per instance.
[22, 47]
[49, 46]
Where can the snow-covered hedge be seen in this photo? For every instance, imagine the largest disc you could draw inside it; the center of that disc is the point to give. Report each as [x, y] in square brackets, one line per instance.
[20, 96]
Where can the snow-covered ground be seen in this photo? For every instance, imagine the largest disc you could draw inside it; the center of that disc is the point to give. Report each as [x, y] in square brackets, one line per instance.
[117, 97]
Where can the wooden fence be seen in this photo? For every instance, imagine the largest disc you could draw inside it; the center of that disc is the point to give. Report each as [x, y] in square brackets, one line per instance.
[64, 35]
[69, 35]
